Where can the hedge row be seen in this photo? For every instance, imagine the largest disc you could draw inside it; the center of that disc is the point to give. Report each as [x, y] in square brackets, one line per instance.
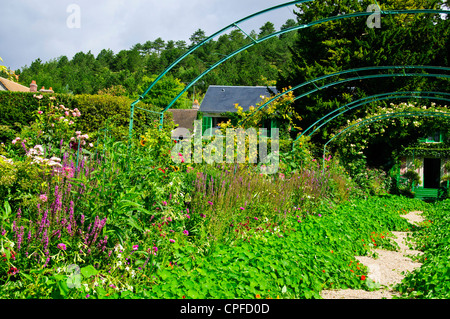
[17, 109]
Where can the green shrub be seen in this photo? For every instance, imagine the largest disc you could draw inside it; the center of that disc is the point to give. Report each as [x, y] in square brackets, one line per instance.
[18, 110]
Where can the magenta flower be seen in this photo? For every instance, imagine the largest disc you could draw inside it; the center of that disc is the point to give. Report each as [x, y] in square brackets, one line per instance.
[242, 208]
[202, 215]
[172, 240]
[164, 203]
[186, 232]
[210, 203]
[62, 246]
[135, 247]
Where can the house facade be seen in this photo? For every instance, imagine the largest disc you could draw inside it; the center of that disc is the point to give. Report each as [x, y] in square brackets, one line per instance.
[220, 100]
[428, 159]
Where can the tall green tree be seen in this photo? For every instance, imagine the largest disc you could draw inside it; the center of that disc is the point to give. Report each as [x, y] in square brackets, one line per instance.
[350, 43]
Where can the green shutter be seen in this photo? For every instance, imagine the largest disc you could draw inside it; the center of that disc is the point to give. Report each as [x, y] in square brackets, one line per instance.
[206, 123]
[273, 124]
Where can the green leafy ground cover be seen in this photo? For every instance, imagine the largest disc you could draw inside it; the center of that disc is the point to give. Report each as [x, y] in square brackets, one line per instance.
[431, 280]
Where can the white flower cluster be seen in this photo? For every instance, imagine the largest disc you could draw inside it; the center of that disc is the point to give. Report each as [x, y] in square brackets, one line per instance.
[7, 160]
[36, 154]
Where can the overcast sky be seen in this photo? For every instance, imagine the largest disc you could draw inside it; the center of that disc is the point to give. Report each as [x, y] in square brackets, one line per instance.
[48, 29]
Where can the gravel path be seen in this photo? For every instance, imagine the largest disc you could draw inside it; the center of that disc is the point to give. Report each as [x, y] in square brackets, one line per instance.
[386, 270]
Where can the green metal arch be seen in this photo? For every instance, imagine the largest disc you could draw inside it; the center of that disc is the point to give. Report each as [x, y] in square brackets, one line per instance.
[303, 26]
[371, 99]
[377, 68]
[381, 117]
[426, 11]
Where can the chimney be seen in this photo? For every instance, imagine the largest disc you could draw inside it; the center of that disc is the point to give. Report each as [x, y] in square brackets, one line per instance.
[33, 86]
[196, 105]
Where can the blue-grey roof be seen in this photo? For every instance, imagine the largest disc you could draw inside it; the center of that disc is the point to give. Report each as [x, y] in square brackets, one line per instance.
[221, 99]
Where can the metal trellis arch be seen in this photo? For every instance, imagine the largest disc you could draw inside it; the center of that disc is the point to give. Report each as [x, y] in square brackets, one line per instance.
[358, 77]
[376, 98]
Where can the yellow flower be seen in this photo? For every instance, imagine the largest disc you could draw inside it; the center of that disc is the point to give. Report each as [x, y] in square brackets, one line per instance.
[143, 140]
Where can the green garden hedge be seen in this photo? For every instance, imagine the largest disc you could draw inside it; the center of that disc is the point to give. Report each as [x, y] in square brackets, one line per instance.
[16, 111]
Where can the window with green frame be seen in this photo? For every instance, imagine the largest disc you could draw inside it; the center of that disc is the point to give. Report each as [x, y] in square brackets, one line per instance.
[436, 137]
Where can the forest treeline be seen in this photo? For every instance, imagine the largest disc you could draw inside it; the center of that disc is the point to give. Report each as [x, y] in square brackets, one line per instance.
[129, 72]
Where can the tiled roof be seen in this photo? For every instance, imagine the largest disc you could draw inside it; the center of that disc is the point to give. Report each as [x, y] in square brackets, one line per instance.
[13, 86]
[222, 99]
[184, 118]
